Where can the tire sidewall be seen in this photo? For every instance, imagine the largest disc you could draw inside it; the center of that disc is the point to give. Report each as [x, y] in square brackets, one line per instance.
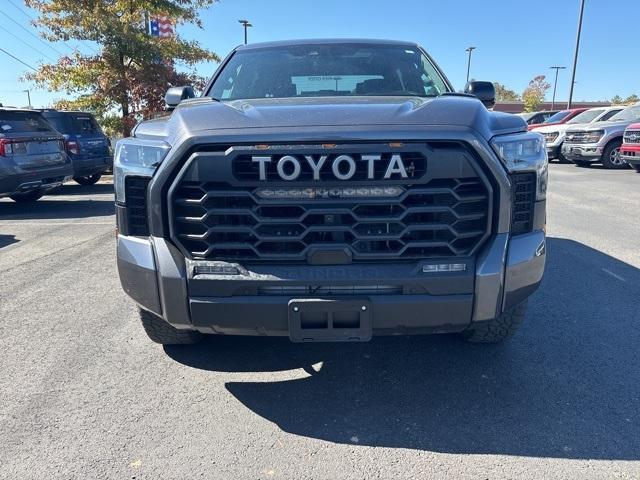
[606, 154]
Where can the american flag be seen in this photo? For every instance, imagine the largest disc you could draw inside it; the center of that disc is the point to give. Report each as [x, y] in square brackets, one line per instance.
[161, 26]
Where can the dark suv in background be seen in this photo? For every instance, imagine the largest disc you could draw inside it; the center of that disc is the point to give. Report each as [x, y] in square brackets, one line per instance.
[32, 156]
[85, 143]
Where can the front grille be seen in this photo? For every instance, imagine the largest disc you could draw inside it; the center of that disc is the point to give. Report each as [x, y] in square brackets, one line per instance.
[136, 205]
[632, 136]
[220, 221]
[524, 193]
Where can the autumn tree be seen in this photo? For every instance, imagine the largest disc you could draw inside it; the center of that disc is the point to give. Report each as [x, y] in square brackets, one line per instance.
[504, 94]
[533, 95]
[127, 78]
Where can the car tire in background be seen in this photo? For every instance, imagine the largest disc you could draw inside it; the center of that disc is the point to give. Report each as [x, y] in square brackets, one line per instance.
[27, 197]
[582, 164]
[159, 331]
[562, 158]
[611, 156]
[498, 329]
[88, 180]
[636, 168]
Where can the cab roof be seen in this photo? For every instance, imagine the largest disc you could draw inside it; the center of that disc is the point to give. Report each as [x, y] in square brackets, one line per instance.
[325, 41]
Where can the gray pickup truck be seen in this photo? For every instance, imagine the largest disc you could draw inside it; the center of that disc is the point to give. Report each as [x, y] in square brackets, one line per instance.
[331, 190]
[600, 142]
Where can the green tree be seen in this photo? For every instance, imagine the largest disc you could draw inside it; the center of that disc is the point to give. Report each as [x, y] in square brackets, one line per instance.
[630, 100]
[504, 94]
[126, 80]
[533, 95]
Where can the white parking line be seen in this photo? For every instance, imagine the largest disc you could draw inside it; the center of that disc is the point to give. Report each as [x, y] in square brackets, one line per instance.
[613, 275]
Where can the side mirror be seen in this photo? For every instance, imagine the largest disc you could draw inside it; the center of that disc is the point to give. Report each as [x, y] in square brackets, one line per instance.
[176, 94]
[484, 91]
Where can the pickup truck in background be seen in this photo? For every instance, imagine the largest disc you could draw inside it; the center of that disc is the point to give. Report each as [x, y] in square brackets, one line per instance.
[555, 134]
[601, 142]
[630, 150]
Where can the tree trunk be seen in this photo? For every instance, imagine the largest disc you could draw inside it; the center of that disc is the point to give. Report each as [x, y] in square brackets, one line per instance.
[126, 121]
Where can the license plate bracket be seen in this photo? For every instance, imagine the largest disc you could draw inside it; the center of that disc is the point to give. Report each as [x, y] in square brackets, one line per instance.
[330, 320]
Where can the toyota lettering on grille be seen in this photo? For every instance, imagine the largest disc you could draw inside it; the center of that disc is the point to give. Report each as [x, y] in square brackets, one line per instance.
[343, 167]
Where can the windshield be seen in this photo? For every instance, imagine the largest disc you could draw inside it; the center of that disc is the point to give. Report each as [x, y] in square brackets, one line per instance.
[630, 113]
[586, 117]
[558, 117]
[22, 122]
[328, 70]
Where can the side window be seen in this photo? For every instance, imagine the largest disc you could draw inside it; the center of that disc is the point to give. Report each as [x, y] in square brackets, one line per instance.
[85, 125]
[608, 115]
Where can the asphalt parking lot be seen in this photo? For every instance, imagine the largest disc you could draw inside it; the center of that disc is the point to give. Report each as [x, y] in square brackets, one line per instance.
[85, 394]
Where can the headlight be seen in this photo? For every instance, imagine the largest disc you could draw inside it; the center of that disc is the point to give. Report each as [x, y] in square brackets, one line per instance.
[522, 152]
[593, 136]
[551, 136]
[136, 157]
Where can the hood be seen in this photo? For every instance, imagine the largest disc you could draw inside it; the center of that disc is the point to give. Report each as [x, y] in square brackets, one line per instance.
[619, 125]
[559, 127]
[207, 115]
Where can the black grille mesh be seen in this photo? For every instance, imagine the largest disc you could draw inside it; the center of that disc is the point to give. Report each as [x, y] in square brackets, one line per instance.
[136, 205]
[524, 192]
[441, 218]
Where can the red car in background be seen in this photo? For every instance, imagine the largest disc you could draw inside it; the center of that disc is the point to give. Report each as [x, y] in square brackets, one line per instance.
[630, 149]
[562, 116]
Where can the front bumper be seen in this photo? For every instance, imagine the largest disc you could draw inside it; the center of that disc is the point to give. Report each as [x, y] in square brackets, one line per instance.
[588, 152]
[630, 154]
[157, 276]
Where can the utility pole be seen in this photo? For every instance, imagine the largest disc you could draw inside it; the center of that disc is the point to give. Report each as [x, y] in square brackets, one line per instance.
[246, 24]
[575, 57]
[470, 49]
[555, 84]
[28, 96]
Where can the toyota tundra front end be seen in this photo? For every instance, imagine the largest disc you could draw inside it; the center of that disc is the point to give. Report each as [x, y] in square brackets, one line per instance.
[331, 190]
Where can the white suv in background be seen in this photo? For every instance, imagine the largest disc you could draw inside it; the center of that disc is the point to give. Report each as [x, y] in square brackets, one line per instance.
[554, 134]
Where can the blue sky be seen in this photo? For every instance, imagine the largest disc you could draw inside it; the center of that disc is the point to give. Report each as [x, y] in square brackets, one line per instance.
[515, 39]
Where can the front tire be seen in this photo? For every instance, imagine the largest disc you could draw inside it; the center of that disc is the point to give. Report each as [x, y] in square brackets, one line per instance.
[562, 158]
[88, 180]
[611, 156]
[498, 329]
[159, 331]
[27, 197]
[636, 168]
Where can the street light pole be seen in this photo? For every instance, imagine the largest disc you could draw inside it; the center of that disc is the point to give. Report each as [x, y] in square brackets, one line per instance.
[470, 49]
[245, 23]
[28, 96]
[555, 84]
[575, 57]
